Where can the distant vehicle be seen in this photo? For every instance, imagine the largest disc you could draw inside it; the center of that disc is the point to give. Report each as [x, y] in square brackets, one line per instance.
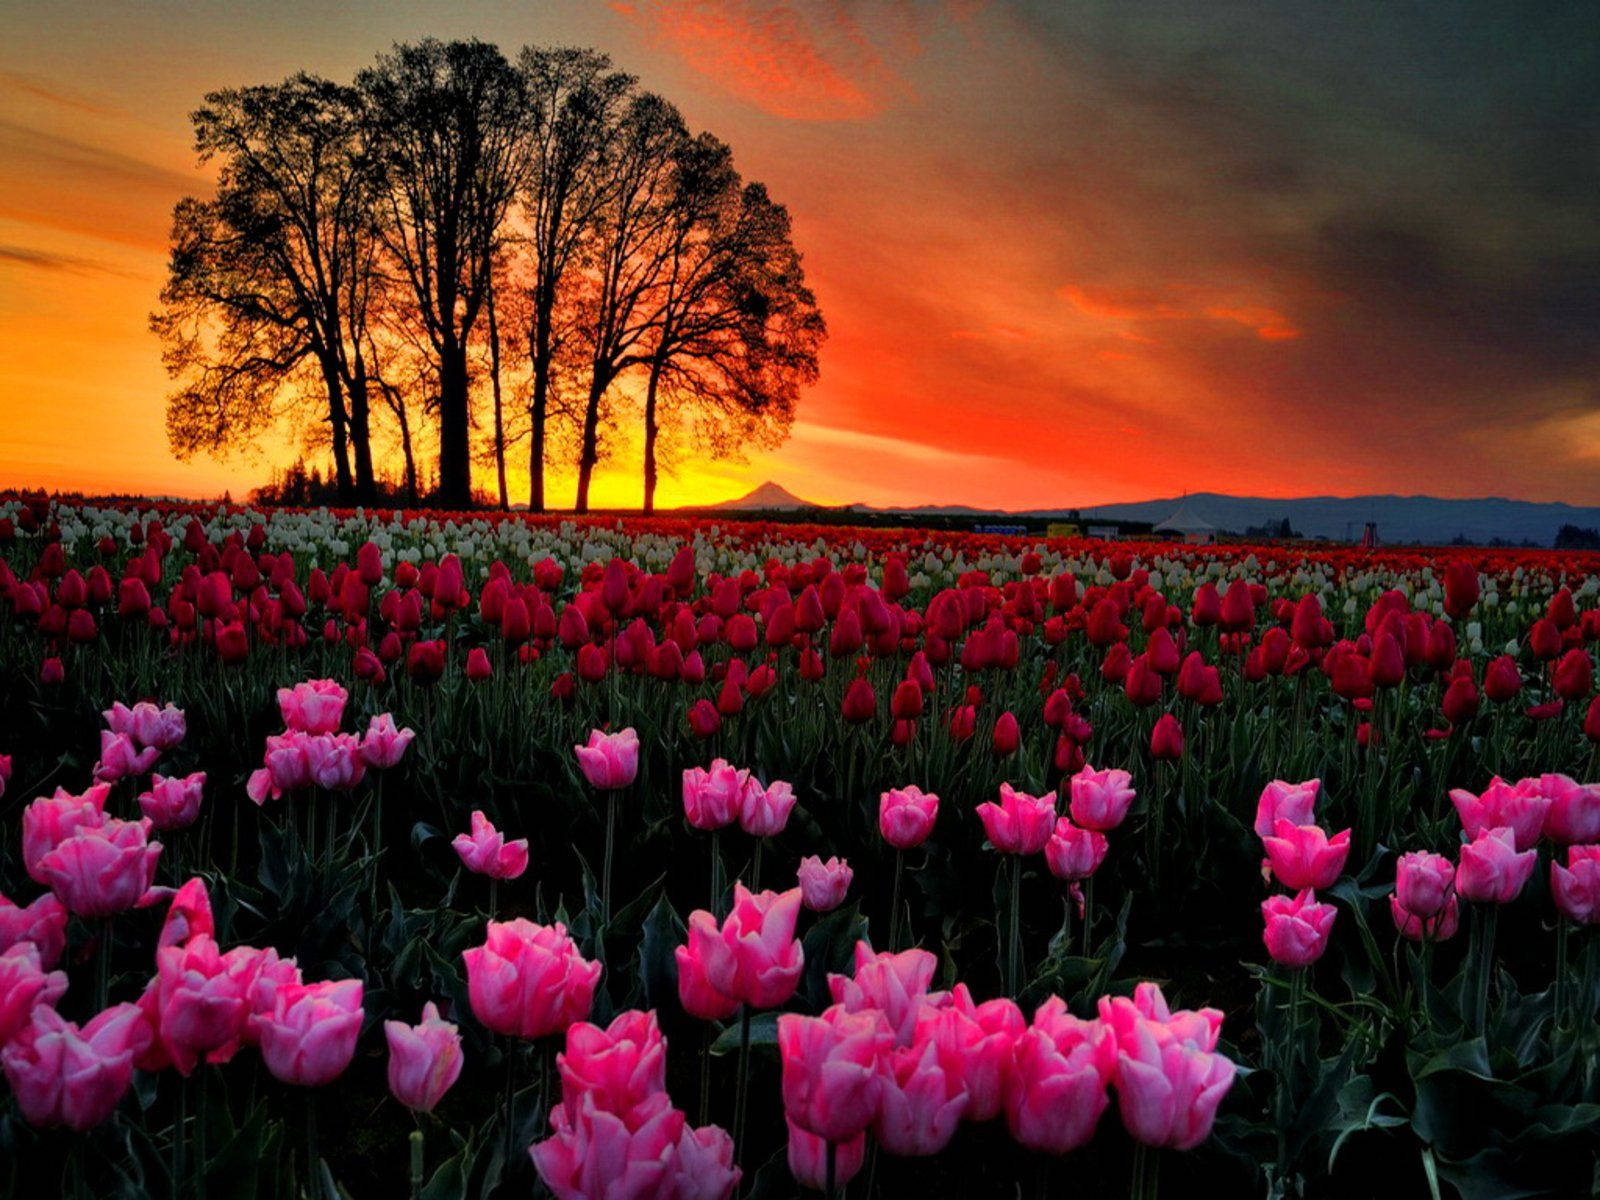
[1106, 533]
[1062, 529]
[1006, 530]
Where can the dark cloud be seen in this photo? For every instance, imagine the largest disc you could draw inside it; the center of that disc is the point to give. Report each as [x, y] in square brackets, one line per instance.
[23, 256]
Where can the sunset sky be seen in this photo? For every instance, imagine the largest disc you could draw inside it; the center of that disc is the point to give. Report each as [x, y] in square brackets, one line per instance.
[1068, 253]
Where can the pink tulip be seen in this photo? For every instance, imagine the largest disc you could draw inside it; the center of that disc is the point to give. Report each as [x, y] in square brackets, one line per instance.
[703, 1168]
[51, 820]
[1200, 1027]
[753, 957]
[1292, 802]
[1059, 1071]
[120, 759]
[1296, 928]
[1521, 810]
[528, 980]
[1073, 853]
[831, 1082]
[1574, 813]
[983, 1036]
[610, 761]
[163, 728]
[595, 1155]
[310, 1036]
[808, 1158]
[823, 884]
[64, 1075]
[712, 797]
[1303, 856]
[173, 803]
[188, 915]
[764, 811]
[1168, 1088]
[201, 1000]
[1100, 799]
[1576, 886]
[1020, 823]
[1490, 868]
[486, 851]
[906, 816]
[268, 975]
[315, 706]
[1438, 928]
[285, 767]
[333, 761]
[25, 983]
[893, 985]
[43, 923]
[1423, 883]
[921, 1099]
[383, 745]
[695, 993]
[622, 1067]
[102, 869]
[424, 1059]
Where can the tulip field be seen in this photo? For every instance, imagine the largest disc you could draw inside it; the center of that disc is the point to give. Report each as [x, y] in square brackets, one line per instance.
[351, 854]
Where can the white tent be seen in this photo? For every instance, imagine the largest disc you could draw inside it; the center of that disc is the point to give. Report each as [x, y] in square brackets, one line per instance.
[1189, 525]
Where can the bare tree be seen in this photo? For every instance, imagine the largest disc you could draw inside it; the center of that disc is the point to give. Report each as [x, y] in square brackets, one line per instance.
[734, 331]
[445, 124]
[575, 97]
[270, 276]
[624, 258]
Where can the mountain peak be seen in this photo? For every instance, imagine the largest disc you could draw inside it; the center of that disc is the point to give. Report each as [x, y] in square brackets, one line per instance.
[769, 495]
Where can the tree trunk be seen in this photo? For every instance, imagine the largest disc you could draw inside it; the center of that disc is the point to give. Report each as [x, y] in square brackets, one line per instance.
[336, 420]
[651, 429]
[410, 455]
[499, 414]
[589, 450]
[539, 409]
[361, 434]
[455, 461]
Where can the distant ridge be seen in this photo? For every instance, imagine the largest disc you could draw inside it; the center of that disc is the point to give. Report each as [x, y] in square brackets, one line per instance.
[1425, 520]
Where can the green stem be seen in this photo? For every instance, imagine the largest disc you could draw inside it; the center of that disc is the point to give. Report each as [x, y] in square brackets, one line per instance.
[605, 873]
[830, 1183]
[894, 904]
[200, 1157]
[1489, 914]
[312, 1157]
[1088, 915]
[102, 967]
[715, 902]
[180, 1132]
[416, 1164]
[1014, 948]
[1559, 1004]
[742, 1091]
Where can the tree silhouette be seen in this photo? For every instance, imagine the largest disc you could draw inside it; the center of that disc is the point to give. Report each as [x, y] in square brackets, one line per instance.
[445, 126]
[456, 253]
[575, 97]
[735, 331]
[267, 282]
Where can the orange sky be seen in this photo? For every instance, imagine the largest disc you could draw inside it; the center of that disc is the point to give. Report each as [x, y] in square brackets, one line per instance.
[1064, 258]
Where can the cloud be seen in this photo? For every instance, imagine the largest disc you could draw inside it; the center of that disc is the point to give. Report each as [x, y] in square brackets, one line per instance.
[23, 256]
[805, 63]
[1110, 303]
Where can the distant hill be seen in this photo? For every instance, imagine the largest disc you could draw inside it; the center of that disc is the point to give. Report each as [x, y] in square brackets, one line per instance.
[769, 497]
[1425, 520]
[1422, 519]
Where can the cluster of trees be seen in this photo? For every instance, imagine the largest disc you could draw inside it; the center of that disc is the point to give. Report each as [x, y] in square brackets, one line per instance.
[465, 258]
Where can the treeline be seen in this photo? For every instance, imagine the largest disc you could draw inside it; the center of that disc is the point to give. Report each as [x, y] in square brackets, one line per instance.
[460, 258]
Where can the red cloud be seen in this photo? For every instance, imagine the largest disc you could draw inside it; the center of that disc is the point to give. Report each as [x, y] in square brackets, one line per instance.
[820, 64]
